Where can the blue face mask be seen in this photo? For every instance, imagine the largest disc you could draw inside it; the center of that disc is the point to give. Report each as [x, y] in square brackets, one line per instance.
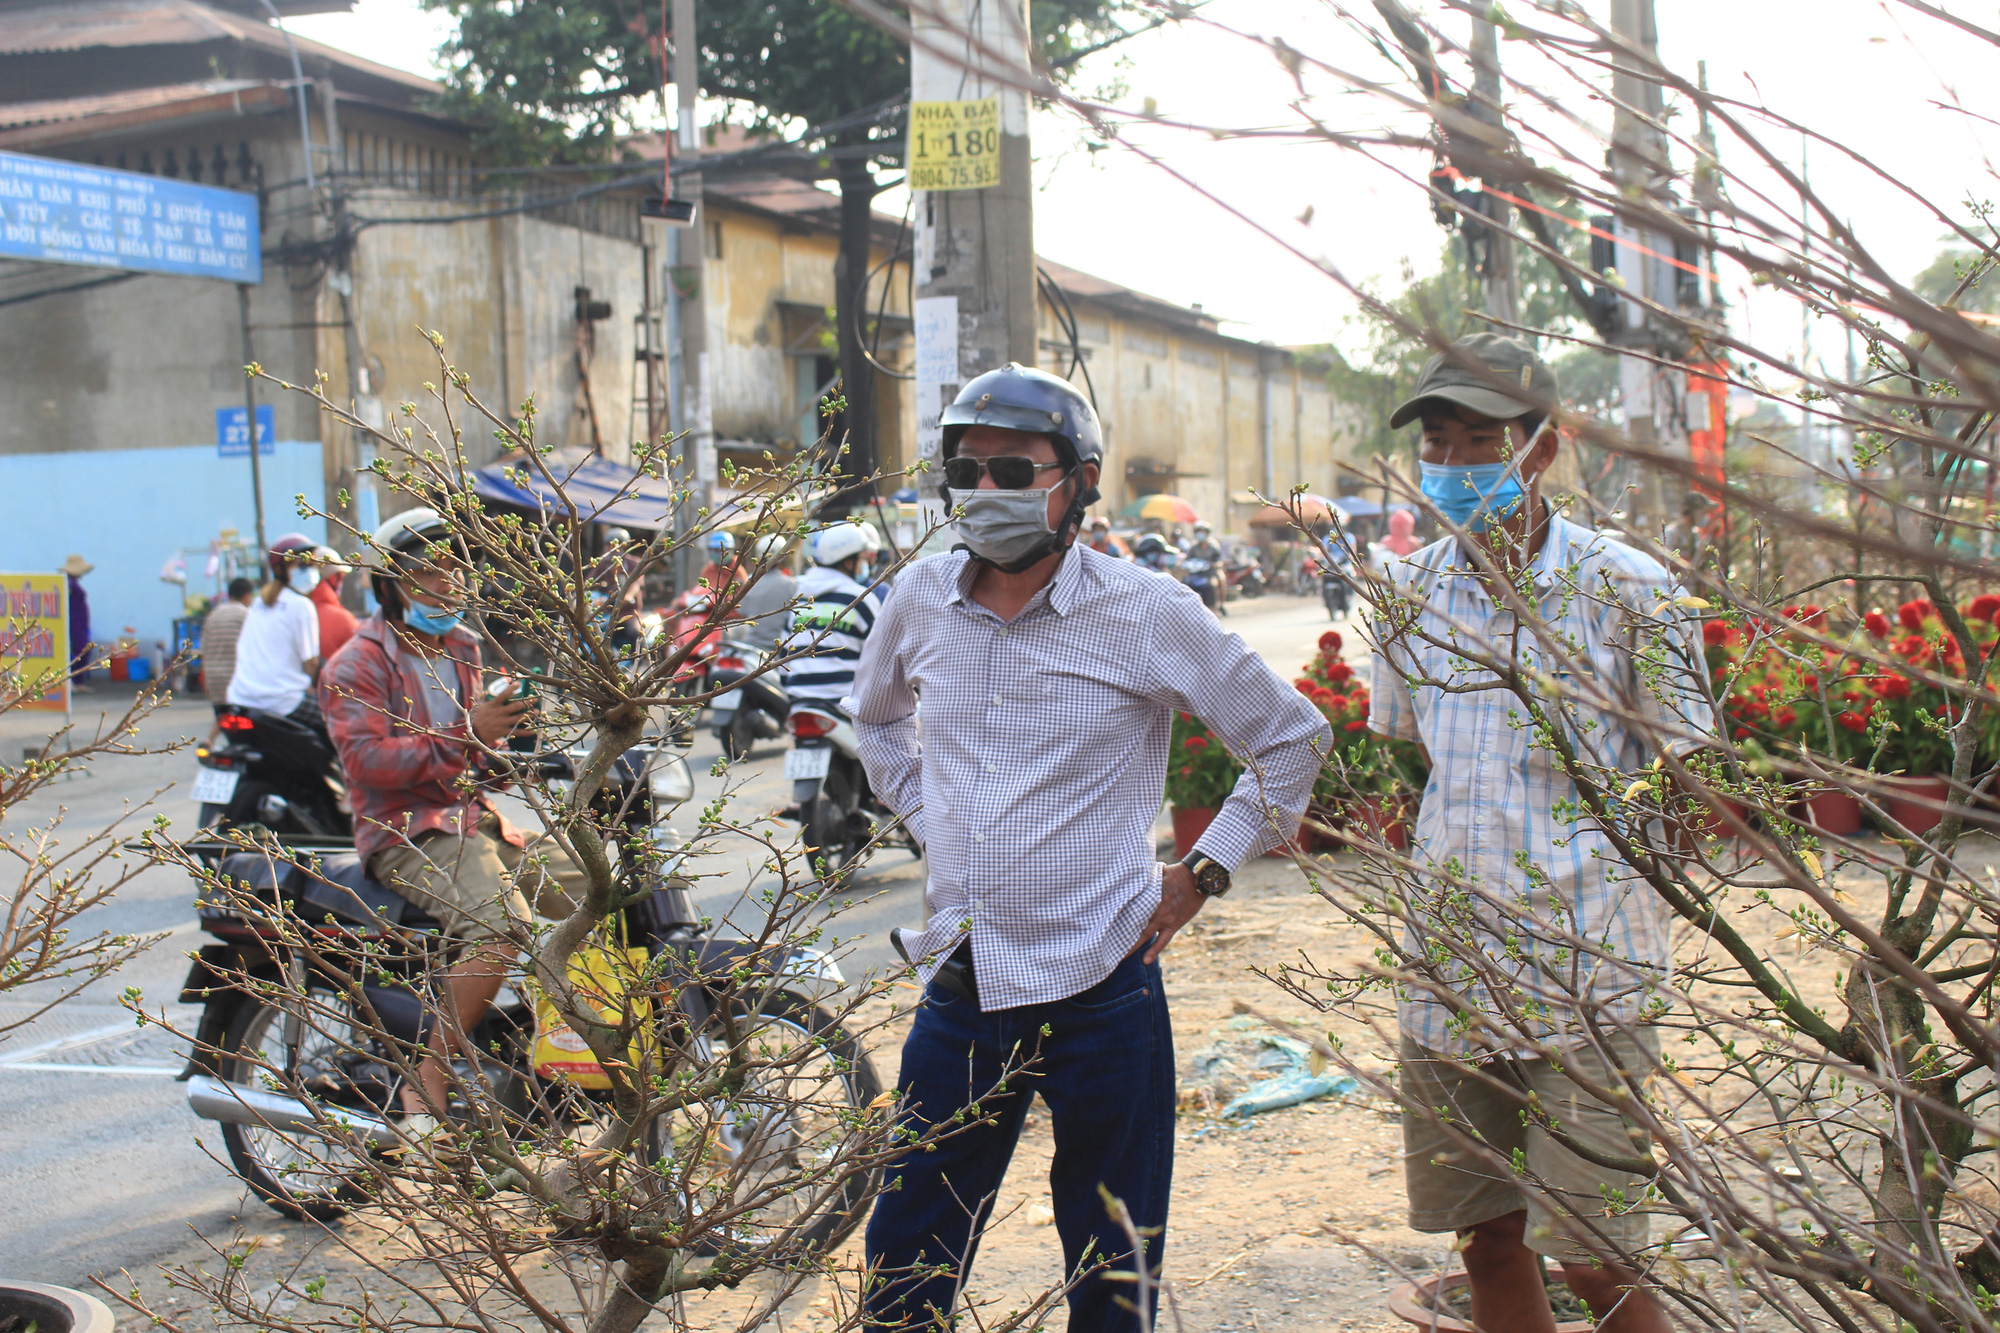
[424, 620]
[1474, 496]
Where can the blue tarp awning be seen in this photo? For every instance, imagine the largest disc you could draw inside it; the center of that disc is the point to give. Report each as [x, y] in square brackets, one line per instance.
[601, 490]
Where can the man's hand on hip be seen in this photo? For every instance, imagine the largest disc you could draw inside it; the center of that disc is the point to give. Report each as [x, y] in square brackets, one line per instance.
[1179, 901]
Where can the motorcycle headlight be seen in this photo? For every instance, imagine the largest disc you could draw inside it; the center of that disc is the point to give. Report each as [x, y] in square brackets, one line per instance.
[669, 780]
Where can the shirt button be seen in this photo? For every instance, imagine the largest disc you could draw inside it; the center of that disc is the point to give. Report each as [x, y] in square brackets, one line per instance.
[993, 768]
[1485, 756]
[996, 701]
[981, 837]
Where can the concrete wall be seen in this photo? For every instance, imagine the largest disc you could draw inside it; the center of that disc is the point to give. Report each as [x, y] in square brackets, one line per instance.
[129, 511]
[108, 400]
[766, 264]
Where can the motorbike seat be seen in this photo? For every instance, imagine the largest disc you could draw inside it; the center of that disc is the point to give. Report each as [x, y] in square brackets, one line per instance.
[343, 890]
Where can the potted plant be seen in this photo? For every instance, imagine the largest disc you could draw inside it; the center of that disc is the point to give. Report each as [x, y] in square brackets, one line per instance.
[1901, 713]
[1200, 775]
[1371, 781]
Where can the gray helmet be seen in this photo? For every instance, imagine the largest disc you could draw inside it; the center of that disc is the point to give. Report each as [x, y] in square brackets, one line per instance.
[1022, 398]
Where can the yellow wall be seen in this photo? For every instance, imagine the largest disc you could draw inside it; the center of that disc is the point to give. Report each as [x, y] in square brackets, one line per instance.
[1186, 396]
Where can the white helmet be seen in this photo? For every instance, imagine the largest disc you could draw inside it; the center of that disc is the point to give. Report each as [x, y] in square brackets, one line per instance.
[841, 541]
[409, 530]
[770, 548]
[402, 535]
[873, 536]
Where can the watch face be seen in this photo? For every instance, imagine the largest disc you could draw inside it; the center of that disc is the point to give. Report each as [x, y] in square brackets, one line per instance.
[1212, 879]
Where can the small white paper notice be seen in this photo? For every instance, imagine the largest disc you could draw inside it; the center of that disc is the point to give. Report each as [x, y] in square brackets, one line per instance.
[937, 340]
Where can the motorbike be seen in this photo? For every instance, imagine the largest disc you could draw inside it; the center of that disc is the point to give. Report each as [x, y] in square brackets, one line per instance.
[1334, 591]
[1199, 574]
[269, 771]
[839, 814]
[271, 1070]
[1243, 576]
[751, 707]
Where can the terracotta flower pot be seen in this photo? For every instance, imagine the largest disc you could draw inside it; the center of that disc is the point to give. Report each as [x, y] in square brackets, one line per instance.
[1189, 825]
[1915, 803]
[1832, 810]
[1714, 823]
[1419, 1303]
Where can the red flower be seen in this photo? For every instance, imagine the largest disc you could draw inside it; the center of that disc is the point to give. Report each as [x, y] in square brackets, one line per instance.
[1329, 642]
[1877, 623]
[1185, 770]
[1358, 724]
[1853, 721]
[1913, 614]
[1337, 702]
[1784, 717]
[1339, 671]
[1714, 633]
[1890, 686]
[1195, 743]
[1986, 607]
[1806, 615]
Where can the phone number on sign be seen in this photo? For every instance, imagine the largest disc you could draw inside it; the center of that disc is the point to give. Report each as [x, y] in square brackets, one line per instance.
[957, 176]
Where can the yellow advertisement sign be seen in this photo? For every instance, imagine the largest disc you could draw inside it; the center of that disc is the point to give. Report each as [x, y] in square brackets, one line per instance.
[34, 640]
[955, 145]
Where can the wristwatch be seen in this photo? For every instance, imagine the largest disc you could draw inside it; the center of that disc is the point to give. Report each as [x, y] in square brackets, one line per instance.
[1211, 877]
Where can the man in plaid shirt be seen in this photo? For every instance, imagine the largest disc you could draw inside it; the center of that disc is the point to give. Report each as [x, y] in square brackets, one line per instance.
[1516, 872]
[403, 702]
[1049, 675]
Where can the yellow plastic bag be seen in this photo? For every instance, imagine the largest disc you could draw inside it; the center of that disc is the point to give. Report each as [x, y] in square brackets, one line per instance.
[600, 976]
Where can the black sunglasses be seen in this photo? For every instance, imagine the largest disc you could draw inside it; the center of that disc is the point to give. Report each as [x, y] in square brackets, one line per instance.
[1009, 472]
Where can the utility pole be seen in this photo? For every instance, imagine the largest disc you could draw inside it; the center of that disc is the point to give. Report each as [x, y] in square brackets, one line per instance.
[692, 406]
[974, 271]
[1653, 394]
[250, 419]
[1502, 285]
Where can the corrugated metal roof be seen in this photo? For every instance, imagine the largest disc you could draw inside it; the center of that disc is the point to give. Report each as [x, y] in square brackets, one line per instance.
[79, 25]
[62, 109]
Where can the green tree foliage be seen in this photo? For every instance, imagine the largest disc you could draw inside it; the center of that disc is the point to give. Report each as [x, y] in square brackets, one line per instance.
[1451, 300]
[1963, 278]
[563, 80]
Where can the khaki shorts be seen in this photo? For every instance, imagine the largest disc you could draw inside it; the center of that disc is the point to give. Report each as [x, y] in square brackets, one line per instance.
[480, 886]
[1570, 1216]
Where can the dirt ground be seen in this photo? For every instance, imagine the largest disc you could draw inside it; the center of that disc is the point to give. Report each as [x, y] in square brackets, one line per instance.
[1280, 1222]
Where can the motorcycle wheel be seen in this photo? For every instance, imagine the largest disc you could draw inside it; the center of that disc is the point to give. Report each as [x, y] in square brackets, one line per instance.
[298, 1173]
[810, 1081]
[825, 820]
[739, 735]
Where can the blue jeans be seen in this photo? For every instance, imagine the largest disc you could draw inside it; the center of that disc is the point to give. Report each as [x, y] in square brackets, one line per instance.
[1106, 1070]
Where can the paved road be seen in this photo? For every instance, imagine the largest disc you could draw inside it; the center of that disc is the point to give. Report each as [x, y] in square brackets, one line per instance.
[101, 1164]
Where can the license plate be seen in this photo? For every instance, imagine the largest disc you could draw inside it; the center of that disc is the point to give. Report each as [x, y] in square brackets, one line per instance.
[803, 764]
[727, 703]
[215, 786]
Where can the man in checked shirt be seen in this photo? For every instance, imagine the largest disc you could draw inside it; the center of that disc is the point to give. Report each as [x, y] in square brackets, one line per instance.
[1498, 811]
[1049, 675]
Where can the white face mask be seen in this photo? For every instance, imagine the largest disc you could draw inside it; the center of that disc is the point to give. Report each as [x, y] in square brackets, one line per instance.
[304, 578]
[1005, 528]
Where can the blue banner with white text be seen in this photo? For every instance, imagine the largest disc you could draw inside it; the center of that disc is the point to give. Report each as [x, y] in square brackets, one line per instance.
[59, 212]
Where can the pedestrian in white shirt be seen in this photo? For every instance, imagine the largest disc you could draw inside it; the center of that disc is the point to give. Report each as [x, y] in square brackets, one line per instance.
[1050, 675]
[277, 653]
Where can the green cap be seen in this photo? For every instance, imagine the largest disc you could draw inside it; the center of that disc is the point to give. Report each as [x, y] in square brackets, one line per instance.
[1450, 376]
